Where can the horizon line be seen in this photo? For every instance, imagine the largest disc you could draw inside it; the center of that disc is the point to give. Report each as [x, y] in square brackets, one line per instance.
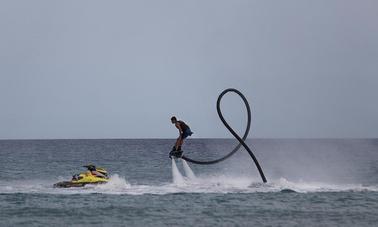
[203, 138]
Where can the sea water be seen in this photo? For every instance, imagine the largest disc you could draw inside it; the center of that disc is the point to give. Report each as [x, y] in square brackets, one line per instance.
[310, 183]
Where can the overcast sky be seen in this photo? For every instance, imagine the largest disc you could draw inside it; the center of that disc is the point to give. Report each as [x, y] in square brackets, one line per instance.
[120, 69]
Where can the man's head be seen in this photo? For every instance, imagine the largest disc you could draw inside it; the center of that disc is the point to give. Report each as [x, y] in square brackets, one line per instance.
[91, 167]
[173, 120]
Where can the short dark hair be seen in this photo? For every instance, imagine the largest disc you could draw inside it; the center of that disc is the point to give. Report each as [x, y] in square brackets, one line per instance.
[173, 118]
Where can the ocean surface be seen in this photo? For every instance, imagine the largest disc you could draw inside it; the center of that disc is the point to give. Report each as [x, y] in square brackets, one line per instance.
[311, 182]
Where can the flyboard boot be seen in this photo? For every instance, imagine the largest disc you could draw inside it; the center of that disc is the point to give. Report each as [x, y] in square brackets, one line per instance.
[176, 153]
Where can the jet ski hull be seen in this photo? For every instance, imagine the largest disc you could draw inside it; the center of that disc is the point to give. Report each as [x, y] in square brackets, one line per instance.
[70, 184]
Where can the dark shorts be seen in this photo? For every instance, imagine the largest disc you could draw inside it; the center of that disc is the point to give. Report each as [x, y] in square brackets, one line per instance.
[186, 133]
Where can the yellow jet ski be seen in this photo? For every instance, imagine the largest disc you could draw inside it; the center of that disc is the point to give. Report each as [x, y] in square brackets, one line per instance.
[94, 175]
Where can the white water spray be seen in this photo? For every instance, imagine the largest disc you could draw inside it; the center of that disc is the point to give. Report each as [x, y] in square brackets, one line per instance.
[188, 171]
[177, 177]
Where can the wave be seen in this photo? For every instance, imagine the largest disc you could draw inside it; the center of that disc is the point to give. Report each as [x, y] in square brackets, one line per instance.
[200, 184]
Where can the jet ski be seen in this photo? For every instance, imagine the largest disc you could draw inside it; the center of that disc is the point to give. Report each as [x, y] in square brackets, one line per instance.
[94, 175]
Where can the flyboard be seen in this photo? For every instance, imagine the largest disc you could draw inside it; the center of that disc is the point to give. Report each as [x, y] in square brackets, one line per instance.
[179, 154]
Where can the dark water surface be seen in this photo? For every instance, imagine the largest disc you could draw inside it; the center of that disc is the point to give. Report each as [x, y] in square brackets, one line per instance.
[335, 183]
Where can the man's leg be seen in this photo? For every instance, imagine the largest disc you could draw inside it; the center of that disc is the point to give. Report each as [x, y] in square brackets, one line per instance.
[181, 142]
[176, 150]
[178, 143]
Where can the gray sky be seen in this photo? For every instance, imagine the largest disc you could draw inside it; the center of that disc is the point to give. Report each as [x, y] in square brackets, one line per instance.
[120, 69]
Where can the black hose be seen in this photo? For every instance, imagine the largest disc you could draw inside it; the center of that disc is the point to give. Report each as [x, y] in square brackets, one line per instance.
[241, 140]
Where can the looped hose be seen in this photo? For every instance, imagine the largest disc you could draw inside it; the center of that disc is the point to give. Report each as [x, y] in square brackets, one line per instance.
[241, 140]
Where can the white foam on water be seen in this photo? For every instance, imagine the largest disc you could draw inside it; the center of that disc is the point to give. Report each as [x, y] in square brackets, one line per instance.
[188, 171]
[115, 183]
[200, 184]
[304, 187]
